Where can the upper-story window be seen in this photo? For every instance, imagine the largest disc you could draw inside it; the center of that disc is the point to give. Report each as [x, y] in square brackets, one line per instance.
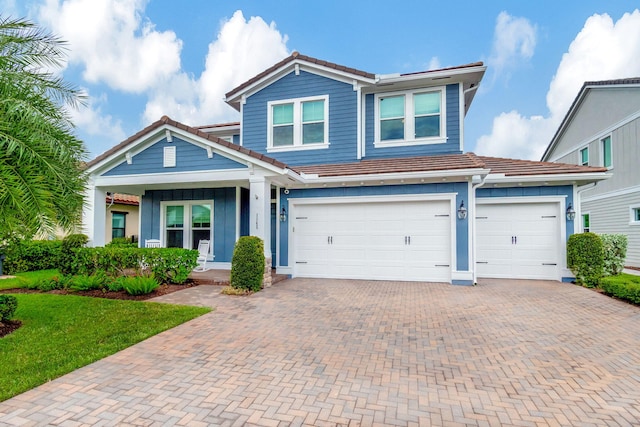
[605, 143]
[406, 118]
[301, 123]
[584, 156]
[635, 215]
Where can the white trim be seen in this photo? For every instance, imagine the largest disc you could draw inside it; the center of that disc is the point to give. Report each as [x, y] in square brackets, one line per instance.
[427, 197]
[596, 136]
[169, 156]
[461, 107]
[359, 127]
[601, 147]
[222, 175]
[632, 217]
[186, 238]
[607, 195]
[297, 124]
[238, 208]
[462, 275]
[519, 199]
[564, 177]
[409, 118]
[277, 220]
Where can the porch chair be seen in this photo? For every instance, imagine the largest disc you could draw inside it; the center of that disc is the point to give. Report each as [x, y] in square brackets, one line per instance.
[152, 243]
[203, 254]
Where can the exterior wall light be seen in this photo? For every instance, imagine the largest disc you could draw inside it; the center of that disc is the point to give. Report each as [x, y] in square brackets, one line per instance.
[571, 213]
[283, 215]
[462, 211]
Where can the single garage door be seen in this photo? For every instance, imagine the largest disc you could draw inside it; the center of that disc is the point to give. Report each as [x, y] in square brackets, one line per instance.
[406, 240]
[518, 240]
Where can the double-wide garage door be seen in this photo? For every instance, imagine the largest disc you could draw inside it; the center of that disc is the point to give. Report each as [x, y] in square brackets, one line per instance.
[518, 240]
[404, 240]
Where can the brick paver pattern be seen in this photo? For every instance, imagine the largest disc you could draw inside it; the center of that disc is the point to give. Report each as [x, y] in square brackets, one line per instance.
[344, 353]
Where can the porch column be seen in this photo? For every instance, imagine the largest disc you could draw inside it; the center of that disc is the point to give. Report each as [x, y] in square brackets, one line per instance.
[260, 218]
[94, 215]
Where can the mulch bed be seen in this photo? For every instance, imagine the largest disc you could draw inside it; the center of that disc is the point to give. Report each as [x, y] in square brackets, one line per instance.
[9, 326]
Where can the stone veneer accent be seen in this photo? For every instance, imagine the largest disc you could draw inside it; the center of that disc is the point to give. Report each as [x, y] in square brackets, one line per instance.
[266, 278]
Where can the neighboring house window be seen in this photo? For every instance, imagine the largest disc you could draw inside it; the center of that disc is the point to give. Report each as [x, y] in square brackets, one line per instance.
[585, 223]
[635, 215]
[584, 156]
[606, 152]
[186, 223]
[298, 124]
[415, 117]
[118, 224]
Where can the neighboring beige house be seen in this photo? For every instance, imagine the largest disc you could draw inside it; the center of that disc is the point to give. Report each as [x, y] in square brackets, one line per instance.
[602, 128]
[122, 216]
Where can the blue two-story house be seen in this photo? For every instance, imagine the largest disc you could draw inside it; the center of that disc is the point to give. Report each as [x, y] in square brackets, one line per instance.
[347, 174]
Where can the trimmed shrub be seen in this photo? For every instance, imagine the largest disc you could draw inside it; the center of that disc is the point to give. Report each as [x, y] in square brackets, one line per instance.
[31, 255]
[121, 242]
[615, 252]
[69, 245]
[585, 258]
[624, 286]
[140, 285]
[8, 306]
[247, 264]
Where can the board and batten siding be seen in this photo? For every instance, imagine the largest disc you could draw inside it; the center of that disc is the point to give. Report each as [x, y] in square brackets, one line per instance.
[224, 215]
[342, 118]
[189, 157]
[601, 109]
[459, 188]
[612, 215]
[451, 146]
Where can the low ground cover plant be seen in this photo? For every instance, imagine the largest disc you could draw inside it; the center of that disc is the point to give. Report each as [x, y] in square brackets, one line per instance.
[623, 286]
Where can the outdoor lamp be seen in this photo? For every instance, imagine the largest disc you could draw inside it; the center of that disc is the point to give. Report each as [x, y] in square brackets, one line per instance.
[283, 215]
[571, 214]
[462, 211]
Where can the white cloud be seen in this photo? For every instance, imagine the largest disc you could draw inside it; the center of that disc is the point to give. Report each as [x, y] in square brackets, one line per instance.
[434, 63]
[602, 50]
[514, 40]
[112, 42]
[242, 49]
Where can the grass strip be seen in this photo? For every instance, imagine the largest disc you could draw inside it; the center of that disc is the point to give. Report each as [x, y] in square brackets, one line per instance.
[61, 333]
[22, 279]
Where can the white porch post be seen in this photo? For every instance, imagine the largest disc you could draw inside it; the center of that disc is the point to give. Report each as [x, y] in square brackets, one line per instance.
[94, 215]
[260, 218]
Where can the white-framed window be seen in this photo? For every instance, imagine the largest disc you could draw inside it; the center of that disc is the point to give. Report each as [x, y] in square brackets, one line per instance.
[586, 222]
[410, 118]
[185, 223]
[634, 215]
[298, 124]
[584, 156]
[607, 152]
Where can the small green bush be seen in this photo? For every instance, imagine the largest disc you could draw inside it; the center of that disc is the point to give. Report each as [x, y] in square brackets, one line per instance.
[247, 264]
[140, 285]
[85, 282]
[8, 306]
[121, 242]
[31, 255]
[69, 245]
[117, 284]
[615, 252]
[624, 286]
[585, 258]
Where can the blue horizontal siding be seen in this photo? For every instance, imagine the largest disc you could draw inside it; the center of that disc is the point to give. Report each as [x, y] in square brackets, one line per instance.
[342, 118]
[189, 157]
[547, 190]
[451, 146]
[460, 188]
[224, 215]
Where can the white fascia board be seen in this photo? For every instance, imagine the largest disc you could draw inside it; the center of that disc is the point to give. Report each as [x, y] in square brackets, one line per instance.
[455, 74]
[288, 68]
[217, 128]
[566, 177]
[433, 175]
[173, 177]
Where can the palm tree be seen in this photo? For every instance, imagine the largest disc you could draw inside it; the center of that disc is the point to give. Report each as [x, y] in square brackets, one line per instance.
[41, 161]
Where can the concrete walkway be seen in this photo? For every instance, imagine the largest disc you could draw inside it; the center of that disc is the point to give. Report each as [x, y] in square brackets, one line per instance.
[330, 352]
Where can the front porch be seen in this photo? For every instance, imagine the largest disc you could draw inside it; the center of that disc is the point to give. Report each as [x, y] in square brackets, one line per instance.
[221, 277]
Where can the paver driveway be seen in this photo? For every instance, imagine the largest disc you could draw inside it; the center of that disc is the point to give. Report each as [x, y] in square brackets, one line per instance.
[327, 352]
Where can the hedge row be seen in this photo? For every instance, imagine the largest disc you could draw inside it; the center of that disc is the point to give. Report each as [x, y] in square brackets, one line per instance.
[625, 287]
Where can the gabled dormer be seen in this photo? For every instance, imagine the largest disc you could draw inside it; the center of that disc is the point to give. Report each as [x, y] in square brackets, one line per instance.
[305, 111]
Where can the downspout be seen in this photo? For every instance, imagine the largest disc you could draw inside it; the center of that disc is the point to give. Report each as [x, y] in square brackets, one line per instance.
[578, 201]
[472, 220]
[113, 199]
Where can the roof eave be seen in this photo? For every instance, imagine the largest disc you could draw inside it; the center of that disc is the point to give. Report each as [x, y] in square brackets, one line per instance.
[391, 176]
[581, 177]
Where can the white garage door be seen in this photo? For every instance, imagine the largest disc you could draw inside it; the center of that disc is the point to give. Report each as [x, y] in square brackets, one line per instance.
[518, 240]
[406, 240]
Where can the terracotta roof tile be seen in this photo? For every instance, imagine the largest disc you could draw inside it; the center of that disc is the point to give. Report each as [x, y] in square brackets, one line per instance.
[397, 165]
[195, 131]
[124, 199]
[514, 167]
[292, 57]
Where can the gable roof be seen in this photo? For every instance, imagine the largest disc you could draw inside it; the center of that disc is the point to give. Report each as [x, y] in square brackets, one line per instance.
[166, 121]
[586, 86]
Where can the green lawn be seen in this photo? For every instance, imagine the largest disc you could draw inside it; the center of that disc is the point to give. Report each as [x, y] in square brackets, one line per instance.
[21, 279]
[61, 333]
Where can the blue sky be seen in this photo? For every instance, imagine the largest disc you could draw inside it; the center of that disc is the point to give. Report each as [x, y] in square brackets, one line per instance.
[140, 59]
